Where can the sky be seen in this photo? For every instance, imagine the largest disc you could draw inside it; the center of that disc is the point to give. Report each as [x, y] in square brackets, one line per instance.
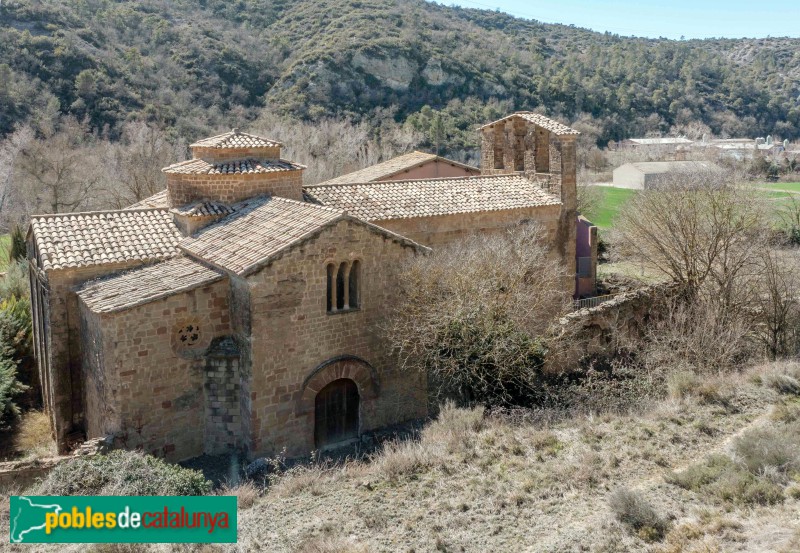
[659, 18]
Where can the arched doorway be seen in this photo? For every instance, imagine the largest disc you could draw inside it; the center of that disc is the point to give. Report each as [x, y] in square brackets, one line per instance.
[336, 413]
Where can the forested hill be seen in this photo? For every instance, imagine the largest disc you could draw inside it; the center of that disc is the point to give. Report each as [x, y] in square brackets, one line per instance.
[191, 66]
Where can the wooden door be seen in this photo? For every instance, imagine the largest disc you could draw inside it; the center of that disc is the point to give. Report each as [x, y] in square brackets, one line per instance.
[336, 413]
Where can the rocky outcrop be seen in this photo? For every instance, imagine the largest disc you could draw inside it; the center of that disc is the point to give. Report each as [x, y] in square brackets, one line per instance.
[393, 72]
[435, 75]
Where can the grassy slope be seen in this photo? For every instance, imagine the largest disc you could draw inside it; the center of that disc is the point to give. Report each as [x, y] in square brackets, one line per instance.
[790, 186]
[613, 200]
[520, 483]
[500, 485]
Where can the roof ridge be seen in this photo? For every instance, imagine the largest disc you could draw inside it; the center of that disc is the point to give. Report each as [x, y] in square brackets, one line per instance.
[435, 179]
[309, 204]
[100, 212]
[209, 141]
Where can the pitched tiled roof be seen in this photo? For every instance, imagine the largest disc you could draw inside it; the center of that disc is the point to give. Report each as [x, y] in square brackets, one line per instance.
[247, 166]
[236, 139]
[554, 127]
[159, 199]
[262, 230]
[146, 284]
[204, 209]
[104, 237]
[392, 167]
[379, 201]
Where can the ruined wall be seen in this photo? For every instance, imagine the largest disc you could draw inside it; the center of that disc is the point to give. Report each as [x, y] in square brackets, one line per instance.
[292, 334]
[598, 330]
[184, 189]
[144, 383]
[445, 229]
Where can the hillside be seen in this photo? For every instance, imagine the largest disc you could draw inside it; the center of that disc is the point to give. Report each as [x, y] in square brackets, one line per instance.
[197, 66]
[713, 466]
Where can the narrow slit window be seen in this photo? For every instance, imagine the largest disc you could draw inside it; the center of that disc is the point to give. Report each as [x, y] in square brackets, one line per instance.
[329, 304]
[355, 300]
[340, 278]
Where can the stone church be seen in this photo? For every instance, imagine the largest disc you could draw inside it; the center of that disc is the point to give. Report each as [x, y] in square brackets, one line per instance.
[239, 311]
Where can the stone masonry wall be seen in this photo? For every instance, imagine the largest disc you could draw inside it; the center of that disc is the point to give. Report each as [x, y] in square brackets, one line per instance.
[292, 334]
[60, 368]
[143, 384]
[445, 229]
[223, 423]
[228, 189]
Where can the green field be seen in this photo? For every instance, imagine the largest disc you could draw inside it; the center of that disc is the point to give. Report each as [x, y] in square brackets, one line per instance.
[790, 186]
[613, 200]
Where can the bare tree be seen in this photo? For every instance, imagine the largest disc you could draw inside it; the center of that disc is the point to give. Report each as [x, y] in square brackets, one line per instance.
[58, 172]
[698, 230]
[137, 164]
[777, 304]
[332, 147]
[474, 315]
[10, 150]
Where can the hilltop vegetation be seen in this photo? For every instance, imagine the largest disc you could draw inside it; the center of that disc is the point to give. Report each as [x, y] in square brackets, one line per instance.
[194, 67]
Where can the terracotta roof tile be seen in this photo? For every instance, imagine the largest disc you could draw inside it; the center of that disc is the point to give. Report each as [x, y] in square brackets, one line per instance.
[236, 139]
[380, 201]
[159, 199]
[247, 166]
[263, 228]
[256, 232]
[391, 168]
[104, 237]
[204, 209]
[146, 284]
[554, 127]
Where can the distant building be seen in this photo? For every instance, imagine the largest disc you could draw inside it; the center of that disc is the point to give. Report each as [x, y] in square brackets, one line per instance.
[670, 142]
[743, 148]
[642, 175]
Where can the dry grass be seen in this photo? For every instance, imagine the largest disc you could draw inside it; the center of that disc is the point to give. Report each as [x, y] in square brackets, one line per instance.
[536, 481]
[246, 493]
[33, 438]
[471, 476]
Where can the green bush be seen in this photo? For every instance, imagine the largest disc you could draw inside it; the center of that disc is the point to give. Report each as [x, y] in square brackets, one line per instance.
[15, 351]
[17, 249]
[122, 473]
[15, 283]
[727, 481]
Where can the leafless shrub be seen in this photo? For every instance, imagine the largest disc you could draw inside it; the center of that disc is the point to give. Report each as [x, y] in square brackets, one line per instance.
[474, 315]
[697, 336]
